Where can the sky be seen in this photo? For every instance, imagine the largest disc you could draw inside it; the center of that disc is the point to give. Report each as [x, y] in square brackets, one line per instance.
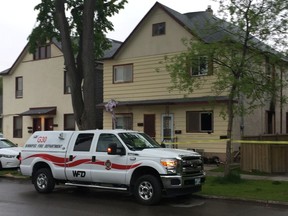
[18, 17]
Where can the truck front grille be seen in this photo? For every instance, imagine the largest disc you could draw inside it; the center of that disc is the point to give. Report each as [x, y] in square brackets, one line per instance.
[192, 166]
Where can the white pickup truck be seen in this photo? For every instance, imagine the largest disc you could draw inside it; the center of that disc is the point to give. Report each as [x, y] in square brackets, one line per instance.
[111, 159]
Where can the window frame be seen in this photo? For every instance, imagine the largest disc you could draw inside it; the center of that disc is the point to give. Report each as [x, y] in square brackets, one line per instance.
[115, 67]
[126, 117]
[67, 88]
[197, 63]
[65, 124]
[159, 29]
[198, 117]
[17, 132]
[19, 87]
[42, 52]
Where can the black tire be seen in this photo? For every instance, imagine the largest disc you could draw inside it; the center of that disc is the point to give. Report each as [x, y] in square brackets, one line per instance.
[43, 180]
[148, 190]
[0, 165]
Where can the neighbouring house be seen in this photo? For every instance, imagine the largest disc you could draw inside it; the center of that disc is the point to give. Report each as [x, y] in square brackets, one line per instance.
[36, 93]
[141, 94]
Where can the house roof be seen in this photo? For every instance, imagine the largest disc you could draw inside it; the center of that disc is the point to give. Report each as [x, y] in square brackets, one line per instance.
[175, 101]
[40, 111]
[206, 27]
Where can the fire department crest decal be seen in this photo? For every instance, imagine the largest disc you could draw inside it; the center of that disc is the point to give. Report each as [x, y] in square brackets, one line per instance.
[108, 165]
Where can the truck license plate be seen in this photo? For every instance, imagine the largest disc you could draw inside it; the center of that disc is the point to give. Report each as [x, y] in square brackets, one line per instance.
[198, 181]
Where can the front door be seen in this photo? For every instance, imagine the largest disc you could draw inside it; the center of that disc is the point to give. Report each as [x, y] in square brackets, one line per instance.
[37, 124]
[110, 169]
[48, 124]
[149, 125]
[79, 156]
[167, 127]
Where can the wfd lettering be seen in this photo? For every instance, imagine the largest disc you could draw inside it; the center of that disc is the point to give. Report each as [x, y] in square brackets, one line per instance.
[81, 174]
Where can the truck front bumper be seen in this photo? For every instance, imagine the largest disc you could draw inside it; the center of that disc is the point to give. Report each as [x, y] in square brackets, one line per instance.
[180, 185]
[177, 181]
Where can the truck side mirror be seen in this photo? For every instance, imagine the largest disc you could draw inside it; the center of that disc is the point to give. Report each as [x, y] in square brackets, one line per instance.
[112, 149]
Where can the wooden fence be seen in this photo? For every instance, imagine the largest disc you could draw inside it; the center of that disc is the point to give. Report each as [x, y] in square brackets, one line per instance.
[264, 156]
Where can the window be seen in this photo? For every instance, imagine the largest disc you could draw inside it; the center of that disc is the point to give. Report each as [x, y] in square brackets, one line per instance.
[159, 29]
[42, 52]
[124, 121]
[122, 73]
[105, 140]
[67, 89]
[199, 66]
[197, 122]
[19, 87]
[69, 122]
[83, 142]
[17, 127]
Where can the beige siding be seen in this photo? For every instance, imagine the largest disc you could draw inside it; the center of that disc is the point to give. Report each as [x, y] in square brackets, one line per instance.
[151, 81]
[43, 86]
[148, 84]
[210, 143]
[142, 43]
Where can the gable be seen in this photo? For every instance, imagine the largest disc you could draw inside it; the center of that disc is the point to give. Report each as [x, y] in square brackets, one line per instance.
[25, 57]
[142, 43]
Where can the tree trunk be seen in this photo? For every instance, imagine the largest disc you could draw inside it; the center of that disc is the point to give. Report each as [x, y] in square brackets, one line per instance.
[87, 59]
[230, 111]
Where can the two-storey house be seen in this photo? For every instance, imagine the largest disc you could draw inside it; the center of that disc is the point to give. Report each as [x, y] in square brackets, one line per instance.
[135, 80]
[36, 92]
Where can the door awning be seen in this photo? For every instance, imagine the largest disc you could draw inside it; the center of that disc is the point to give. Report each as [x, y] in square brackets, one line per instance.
[40, 111]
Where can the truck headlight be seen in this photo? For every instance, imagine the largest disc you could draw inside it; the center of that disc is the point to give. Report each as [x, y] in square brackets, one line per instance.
[170, 165]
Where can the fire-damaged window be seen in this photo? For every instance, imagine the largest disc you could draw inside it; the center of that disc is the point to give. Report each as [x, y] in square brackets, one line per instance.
[199, 121]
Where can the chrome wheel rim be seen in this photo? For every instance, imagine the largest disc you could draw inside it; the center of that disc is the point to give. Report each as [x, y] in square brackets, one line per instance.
[145, 190]
[42, 181]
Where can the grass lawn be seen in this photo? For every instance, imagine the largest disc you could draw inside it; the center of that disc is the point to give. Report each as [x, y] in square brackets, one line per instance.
[248, 189]
[12, 172]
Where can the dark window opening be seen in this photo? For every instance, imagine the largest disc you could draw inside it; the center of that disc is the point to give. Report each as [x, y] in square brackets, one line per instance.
[19, 87]
[69, 122]
[42, 52]
[159, 29]
[198, 122]
[17, 127]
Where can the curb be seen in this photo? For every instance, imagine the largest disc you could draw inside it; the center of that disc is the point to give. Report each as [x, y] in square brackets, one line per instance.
[266, 202]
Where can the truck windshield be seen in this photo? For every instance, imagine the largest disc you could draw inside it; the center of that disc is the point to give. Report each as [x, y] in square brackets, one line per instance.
[138, 141]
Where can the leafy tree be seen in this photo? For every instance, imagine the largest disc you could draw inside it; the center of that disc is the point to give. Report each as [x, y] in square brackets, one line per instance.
[80, 25]
[244, 66]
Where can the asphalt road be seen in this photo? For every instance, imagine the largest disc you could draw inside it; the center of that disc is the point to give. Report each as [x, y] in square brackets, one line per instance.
[18, 197]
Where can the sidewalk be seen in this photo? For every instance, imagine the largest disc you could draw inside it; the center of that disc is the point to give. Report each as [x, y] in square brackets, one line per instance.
[271, 177]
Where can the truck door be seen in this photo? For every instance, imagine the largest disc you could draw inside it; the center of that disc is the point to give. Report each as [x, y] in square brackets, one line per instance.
[109, 168]
[79, 157]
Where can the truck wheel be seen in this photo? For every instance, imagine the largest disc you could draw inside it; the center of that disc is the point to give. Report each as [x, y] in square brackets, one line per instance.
[43, 181]
[147, 190]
